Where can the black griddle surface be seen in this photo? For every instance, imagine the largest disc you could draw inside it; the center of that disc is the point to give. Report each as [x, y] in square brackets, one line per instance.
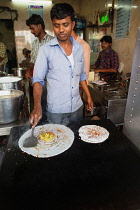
[87, 176]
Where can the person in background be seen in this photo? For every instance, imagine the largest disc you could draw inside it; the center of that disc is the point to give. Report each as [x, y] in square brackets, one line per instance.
[61, 61]
[25, 63]
[86, 49]
[24, 54]
[37, 26]
[3, 56]
[107, 63]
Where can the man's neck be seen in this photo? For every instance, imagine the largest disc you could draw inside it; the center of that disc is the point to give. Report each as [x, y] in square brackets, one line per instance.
[105, 51]
[67, 46]
[42, 35]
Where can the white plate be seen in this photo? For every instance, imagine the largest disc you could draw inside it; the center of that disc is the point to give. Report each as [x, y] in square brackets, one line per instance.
[99, 82]
[93, 133]
[63, 140]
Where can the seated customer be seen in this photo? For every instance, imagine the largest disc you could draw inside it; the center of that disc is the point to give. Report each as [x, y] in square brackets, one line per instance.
[107, 63]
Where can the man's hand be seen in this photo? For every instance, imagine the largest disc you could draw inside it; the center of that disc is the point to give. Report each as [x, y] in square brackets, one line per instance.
[36, 115]
[90, 104]
[92, 66]
[89, 99]
[28, 74]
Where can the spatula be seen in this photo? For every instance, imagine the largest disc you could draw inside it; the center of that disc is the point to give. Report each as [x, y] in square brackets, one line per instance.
[31, 141]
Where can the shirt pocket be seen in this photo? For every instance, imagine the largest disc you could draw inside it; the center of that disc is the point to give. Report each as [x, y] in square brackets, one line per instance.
[78, 68]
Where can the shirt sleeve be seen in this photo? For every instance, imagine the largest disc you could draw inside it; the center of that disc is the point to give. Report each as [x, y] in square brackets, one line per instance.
[83, 72]
[2, 50]
[41, 66]
[115, 61]
[33, 53]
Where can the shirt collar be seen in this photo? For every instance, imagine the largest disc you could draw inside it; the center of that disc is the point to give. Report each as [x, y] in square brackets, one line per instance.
[55, 42]
[44, 38]
[109, 50]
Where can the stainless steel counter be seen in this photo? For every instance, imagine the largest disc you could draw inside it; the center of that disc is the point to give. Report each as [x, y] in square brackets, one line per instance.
[110, 100]
[5, 129]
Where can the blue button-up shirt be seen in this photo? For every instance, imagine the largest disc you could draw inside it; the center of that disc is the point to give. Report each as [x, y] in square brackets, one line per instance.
[62, 81]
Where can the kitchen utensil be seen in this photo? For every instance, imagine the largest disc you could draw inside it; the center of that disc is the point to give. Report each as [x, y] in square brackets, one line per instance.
[10, 82]
[10, 105]
[31, 141]
[20, 72]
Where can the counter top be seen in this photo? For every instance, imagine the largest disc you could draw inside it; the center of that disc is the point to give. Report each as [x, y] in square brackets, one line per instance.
[110, 91]
[87, 176]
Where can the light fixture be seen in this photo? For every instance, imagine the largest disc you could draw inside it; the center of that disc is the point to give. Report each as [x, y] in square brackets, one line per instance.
[33, 1]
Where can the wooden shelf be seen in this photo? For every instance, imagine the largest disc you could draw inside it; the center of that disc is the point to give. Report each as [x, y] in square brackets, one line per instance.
[93, 26]
[99, 26]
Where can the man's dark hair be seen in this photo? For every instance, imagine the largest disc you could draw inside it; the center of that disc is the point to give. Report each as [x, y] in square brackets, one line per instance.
[35, 20]
[61, 11]
[107, 39]
[28, 52]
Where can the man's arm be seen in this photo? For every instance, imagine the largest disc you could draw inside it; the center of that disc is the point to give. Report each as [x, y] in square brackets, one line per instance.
[105, 70]
[89, 99]
[114, 65]
[29, 72]
[36, 114]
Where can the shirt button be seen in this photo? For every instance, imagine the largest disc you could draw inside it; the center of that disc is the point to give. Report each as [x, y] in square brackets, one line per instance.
[72, 76]
[70, 66]
[72, 87]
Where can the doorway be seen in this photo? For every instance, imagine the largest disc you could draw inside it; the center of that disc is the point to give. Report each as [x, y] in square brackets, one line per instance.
[8, 38]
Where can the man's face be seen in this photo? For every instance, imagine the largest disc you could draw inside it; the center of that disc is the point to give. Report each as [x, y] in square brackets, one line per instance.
[63, 28]
[35, 29]
[105, 46]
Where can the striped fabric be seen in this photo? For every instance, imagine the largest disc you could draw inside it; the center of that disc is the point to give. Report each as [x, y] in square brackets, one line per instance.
[107, 60]
[37, 44]
[3, 54]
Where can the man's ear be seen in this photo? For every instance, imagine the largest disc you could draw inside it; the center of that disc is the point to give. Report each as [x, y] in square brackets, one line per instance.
[73, 24]
[39, 26]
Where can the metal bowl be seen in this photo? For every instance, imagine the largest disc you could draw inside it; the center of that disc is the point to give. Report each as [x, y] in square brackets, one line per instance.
[10, 105]
[10, 82]
[20, 72]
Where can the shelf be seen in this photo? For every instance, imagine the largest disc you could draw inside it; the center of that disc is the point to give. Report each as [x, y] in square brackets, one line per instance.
[99, 26]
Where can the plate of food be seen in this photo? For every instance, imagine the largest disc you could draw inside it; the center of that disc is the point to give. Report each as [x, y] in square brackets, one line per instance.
[53, 139]
[93, 133]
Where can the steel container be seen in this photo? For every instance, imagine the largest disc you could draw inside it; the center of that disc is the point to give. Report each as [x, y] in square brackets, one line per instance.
[2, 74]
[20, 72]
[10, 82]
[10, 105]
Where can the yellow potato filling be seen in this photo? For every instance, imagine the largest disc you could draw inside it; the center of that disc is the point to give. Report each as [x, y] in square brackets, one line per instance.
[47, 136]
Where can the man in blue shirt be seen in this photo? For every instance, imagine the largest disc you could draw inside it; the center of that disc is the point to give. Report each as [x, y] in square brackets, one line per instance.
[61, 61]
